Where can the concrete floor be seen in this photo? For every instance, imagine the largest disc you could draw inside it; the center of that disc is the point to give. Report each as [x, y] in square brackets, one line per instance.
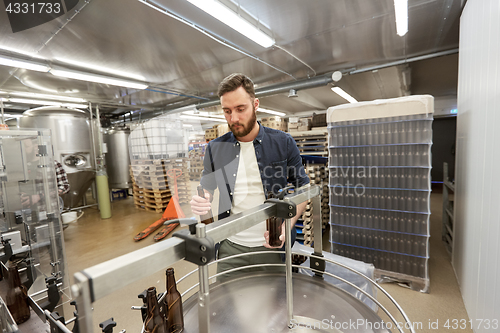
[91, 241]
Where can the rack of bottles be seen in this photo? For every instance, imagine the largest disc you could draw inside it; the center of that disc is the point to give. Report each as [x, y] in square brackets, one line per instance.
[379, 184]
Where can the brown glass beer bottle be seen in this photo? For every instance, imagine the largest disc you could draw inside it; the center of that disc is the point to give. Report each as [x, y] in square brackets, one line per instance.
[17, 297]
[155, 322]
[274, 227]
[173, 301]
[208, 217]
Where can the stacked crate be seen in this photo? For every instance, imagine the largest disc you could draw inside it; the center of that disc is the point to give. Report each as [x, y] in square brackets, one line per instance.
[221, 129]
[318, 175]
[313, 142]
[296, 124]
[152, 188]
[183, 184]
[210, 134]
[196, 155]
[149, 188]
[274, 122]
[379, 165]
[307, 225]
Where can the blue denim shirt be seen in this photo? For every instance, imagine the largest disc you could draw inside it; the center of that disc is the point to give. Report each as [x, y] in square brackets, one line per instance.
[277, 156]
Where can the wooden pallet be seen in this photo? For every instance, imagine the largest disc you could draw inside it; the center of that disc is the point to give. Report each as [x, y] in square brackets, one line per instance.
[150, 209]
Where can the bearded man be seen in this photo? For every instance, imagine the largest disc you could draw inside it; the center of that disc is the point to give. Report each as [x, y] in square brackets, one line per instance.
[246, 165]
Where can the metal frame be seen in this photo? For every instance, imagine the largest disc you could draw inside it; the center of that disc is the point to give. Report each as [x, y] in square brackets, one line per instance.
[100, 280]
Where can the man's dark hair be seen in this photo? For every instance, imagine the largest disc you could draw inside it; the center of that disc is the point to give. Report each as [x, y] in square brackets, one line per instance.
[233, 82]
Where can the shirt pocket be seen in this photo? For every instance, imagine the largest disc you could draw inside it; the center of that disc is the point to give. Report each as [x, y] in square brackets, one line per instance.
[275, 175]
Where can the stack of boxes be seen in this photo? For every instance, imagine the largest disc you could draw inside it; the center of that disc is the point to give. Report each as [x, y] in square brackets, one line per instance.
[196, 155]
[216, 131]
[221, 129]
[210, 134]
[296, 124]
[274, 122]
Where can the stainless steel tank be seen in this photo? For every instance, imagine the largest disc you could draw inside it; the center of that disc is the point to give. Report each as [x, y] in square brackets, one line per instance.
[72, 145]
[117, 157]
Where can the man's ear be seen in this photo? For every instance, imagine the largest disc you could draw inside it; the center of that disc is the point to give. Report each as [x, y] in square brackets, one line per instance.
[256, 103]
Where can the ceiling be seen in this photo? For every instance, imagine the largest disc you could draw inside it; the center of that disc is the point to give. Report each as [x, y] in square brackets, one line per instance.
[183, 65]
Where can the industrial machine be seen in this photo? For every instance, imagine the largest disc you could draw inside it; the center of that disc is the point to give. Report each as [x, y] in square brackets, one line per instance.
[117, 157]
[72, 145]
[30, 225]
[259, 302]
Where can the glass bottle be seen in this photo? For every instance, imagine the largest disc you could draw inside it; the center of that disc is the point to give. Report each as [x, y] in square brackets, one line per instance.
[273, 225]
[208, 217]
[17, 297]
[155, 322]
[174, 304]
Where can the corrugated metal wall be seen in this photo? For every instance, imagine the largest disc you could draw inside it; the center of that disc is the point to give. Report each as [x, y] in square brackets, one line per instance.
[476, 256]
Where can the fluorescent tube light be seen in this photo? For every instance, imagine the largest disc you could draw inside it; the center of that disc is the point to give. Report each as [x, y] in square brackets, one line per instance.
[97, 78]
[8, 115]
[401, 10]
[344, 95]
[281, 114]
[106, 70]
[43, 96]
[202, 118]
[48, 103]
[203, 114]
[234, 21]
[11, 62]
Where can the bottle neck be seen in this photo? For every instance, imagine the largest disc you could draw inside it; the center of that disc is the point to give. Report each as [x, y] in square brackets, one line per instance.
[151, 300]
[14, 278]
[171, 284]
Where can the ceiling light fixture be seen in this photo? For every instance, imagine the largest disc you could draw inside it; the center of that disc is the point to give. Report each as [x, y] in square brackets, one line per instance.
[26, 64]
[43, 96]
[107, 70]
[401, 10]
[203, 114]
[8, 115]
[48, 103]
[339, 91]
[281, 114]
[234, 21]
[97, 78]
[202, 118]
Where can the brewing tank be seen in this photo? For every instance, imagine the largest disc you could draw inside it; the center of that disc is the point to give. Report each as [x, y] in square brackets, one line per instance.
[117, 157]
[72, 145]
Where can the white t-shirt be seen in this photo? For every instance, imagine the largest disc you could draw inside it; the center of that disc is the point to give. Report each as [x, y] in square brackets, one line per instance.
[248, 192]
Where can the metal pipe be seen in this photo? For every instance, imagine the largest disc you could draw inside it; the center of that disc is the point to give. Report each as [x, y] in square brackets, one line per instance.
[81, 207]
[99, 134]
[315, 82]
[288, 264]
[404, 61]
[92, 135]
[317, 225]
[1, 106]
[204, 292]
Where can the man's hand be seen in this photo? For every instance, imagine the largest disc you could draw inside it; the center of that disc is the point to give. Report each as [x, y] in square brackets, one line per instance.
[282, 238]
[27, 200]
[199, 205]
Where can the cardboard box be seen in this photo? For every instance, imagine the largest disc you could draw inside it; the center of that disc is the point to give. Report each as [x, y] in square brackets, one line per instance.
[210, 134]
[319, 120]
[222, 129]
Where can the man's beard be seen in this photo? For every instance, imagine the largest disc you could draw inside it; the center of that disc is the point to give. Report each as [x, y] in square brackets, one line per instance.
[246, 128]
